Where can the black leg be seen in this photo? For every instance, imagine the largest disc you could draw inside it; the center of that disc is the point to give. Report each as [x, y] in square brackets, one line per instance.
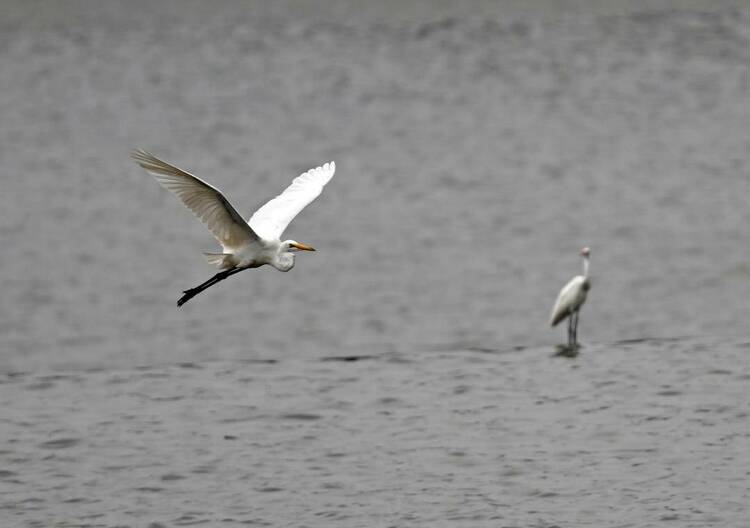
[192, 292]
[570, 330]
[575, 327]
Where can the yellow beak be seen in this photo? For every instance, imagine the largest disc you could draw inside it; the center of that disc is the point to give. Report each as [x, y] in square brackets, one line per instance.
[303, 247]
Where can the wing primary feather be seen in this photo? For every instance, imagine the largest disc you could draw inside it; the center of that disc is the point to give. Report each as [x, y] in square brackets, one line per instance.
[272, 219]
[204, 200]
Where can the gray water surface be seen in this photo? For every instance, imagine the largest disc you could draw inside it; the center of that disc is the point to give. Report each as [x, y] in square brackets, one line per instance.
[476, 155]
[646, 433]
[478, 147]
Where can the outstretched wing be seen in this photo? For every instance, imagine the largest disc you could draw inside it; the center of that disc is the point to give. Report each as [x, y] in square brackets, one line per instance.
[207, 202]
[272, 219]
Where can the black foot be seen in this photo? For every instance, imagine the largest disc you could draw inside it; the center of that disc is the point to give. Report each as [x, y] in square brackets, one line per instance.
[189, 294]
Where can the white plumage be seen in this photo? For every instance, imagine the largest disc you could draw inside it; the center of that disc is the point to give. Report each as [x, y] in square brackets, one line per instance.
[270, 221]
[571, 298]
[244, 244]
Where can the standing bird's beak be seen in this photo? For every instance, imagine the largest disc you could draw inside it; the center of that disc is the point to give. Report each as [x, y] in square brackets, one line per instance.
[302, 247]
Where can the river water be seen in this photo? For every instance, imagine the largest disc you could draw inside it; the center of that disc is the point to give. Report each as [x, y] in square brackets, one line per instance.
[404, 374]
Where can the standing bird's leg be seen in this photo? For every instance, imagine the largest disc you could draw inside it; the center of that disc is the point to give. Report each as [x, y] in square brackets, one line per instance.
[570, 330]
[575, 327]
[192, 292]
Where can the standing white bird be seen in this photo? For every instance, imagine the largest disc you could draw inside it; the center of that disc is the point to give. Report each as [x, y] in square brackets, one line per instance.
[570, 300]
[244, 244]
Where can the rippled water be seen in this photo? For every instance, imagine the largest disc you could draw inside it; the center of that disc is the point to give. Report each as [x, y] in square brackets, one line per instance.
[632, 433]
[404, 374]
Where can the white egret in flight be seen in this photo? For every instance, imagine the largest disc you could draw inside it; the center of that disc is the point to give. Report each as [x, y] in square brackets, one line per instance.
[244, 244]
[570, 300]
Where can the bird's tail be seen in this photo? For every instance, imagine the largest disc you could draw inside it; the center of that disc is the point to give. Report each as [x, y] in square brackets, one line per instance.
[220, 260]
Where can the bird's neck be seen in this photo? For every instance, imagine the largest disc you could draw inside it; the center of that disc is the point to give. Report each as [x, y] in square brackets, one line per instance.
[284, 261]
[586, 267]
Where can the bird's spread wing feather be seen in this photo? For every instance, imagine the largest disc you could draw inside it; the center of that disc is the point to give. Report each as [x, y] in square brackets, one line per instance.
[207, 202]
[271, 220]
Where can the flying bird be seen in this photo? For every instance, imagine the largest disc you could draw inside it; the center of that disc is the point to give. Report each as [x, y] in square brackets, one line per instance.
[570, 300]
[244, 244]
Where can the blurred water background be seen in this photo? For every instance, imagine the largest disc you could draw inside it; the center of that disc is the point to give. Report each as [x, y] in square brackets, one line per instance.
[478, 146]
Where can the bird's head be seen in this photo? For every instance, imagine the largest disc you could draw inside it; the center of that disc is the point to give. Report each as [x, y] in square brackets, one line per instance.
[585, 252]
[292, 246]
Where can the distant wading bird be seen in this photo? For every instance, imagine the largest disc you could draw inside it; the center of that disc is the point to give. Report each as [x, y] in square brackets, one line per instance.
[570, 300]
[244, 244]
